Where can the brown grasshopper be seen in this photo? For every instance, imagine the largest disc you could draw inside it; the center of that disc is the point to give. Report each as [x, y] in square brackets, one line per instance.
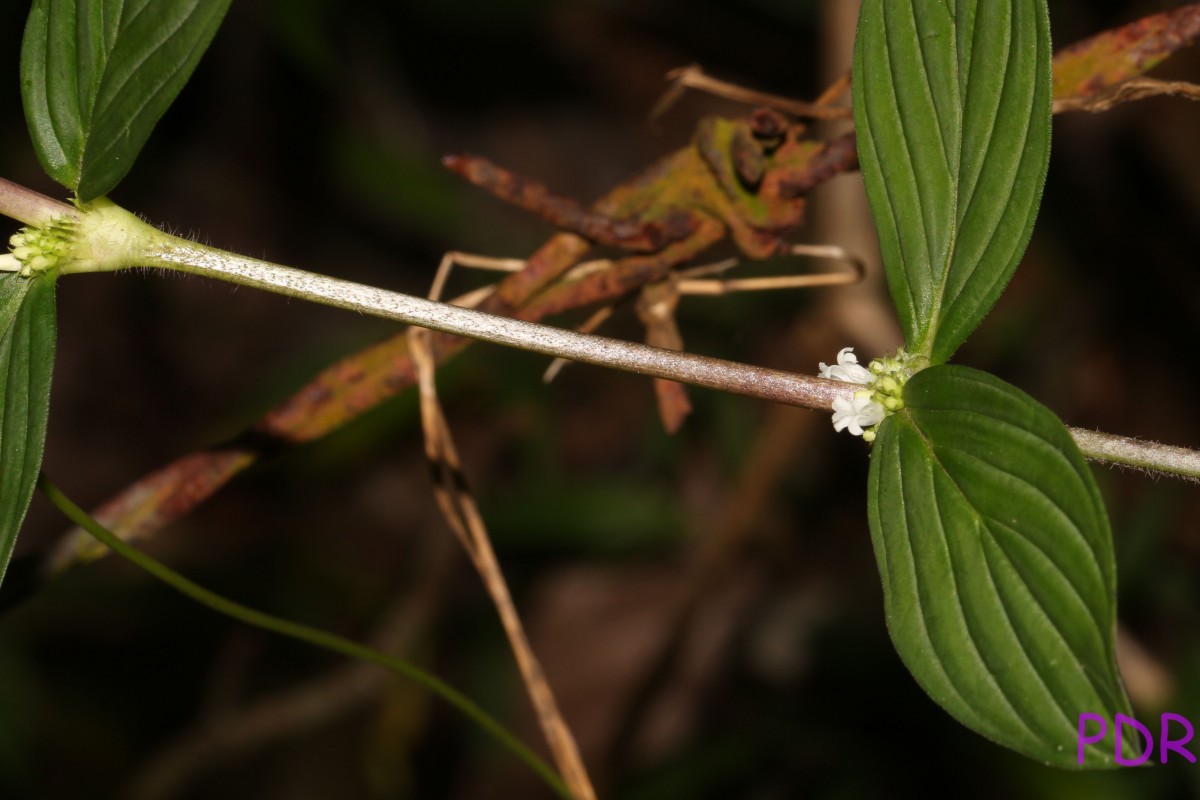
[746, 178]
[743, 178]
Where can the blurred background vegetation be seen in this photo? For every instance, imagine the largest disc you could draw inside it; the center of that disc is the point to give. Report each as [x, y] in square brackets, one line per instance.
[706, 605]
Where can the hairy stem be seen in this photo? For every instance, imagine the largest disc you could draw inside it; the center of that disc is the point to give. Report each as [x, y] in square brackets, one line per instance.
[111, 238]
[1176, 462]
[302, 632]
[728, 376]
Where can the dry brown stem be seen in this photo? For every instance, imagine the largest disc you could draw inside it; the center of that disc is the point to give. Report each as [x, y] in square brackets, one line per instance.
[462, 514]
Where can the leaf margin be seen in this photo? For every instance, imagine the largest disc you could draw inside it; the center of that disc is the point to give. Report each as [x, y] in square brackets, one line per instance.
[906, 223]
[898, 596]
[32, 327]
[68, 124]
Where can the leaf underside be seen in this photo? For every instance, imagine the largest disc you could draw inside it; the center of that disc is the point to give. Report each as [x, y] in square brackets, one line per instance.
[952, 108]
[97, 75]
[997, 563]
[27, 340]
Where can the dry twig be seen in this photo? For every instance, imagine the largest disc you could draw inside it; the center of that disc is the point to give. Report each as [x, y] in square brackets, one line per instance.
[462, 514]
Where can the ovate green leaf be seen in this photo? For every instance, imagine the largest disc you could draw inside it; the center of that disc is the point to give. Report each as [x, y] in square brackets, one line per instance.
[27, 337]
[997, 563]
[952, 108]
[97, 75]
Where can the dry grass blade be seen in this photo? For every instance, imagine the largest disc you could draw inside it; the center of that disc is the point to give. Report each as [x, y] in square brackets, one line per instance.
[458, 506]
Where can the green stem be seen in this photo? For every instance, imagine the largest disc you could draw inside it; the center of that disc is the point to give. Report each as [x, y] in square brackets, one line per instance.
[304, 633]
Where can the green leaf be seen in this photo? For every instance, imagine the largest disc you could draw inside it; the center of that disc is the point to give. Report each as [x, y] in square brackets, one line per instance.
[27, 337]
[952, 108]
[997, 563]
[97, 75]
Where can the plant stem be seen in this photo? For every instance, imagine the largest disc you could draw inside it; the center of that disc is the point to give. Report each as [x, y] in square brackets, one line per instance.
[1176, 462]
[153, 248]
[111, 238]
[30, 207]
[304, 633]
[727, 376]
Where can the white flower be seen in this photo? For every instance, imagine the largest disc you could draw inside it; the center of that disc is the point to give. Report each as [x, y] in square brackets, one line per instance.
[848, 370]
[884, 395]
[857, 413]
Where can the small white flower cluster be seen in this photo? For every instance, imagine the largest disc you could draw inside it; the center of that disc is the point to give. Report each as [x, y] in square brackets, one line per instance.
[858, 415]
[37, 249]
[884, 379]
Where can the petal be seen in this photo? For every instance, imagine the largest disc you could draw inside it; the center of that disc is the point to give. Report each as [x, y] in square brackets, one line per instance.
[873, 417]
[867, 412]
[858, 374]
[847, 370]
[843, 413]
[851, 369]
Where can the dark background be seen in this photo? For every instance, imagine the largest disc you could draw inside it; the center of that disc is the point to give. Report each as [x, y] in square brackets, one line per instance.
[311, 135]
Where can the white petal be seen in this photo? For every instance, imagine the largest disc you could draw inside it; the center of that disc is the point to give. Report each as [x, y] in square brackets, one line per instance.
[856, 414]
[843, 413]
[847, 369]
[851, 369]
[868, 412]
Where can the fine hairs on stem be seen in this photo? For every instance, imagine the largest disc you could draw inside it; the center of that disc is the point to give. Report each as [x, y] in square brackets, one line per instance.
[117, 239]
[729, 376]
